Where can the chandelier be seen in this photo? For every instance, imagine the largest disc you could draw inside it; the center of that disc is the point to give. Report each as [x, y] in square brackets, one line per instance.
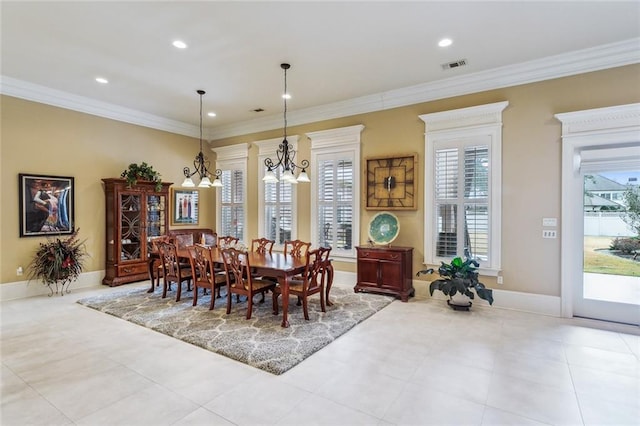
[201, 164]
[286, 154]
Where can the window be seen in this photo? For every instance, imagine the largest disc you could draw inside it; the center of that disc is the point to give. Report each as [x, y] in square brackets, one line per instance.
[462, 185]
[276, 201]
[335, 189]
[231, 198]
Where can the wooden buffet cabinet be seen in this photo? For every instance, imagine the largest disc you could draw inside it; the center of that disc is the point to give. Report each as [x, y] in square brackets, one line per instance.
[133, 215]
[387, 270]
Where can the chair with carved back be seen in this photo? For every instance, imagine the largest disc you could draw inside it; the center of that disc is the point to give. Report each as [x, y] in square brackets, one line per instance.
[173, 270]
[296, 248]
[311, 282]
[262, 246]
[204, 273]
[156, 267]
[210, 240]
[227, 241]
[239, 279]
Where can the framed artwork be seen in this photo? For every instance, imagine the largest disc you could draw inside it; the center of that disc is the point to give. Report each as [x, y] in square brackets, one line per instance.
[184, 207]
[47, 205]
[391, 182]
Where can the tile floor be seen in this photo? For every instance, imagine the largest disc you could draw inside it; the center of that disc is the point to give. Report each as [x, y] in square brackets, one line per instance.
[413, 363]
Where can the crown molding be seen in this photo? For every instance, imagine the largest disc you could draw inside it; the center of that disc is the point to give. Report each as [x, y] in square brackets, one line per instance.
[578, 62]
[34, 92]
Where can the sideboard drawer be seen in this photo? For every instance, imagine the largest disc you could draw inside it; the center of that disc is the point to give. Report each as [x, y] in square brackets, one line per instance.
[380, 255]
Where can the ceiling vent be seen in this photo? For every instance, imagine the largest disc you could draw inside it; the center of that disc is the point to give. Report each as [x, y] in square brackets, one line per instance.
[257, 110]
[455, 64]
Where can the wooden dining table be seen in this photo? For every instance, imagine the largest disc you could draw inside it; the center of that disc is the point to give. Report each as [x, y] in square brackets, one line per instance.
[278, 265]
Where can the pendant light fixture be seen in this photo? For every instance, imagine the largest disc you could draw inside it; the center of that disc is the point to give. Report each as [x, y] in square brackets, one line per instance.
[285, 153]
[201, 164]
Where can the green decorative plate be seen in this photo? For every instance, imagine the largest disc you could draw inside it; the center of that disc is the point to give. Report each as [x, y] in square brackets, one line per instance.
[384, 228]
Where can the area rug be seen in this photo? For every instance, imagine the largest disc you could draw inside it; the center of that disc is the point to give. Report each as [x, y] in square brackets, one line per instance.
[260, 342]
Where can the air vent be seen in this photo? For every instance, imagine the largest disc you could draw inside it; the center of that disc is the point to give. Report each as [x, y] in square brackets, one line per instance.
[455, 64]
[257, 110]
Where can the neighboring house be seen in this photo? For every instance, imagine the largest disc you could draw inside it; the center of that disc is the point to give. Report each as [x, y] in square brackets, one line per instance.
[602, 193]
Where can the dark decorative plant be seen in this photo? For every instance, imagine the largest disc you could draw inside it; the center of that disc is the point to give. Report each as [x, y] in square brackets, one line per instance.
[58, 261]
[459, 277]
[143, 171]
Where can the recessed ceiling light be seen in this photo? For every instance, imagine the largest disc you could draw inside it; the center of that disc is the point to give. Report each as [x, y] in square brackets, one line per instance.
[102, 80]
[180, 44]
[211, 114]
[445, 42]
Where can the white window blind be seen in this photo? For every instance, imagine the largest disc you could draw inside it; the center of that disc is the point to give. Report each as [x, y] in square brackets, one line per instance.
[231, 202]
[335, 195]
[462, 185]
[232, 205]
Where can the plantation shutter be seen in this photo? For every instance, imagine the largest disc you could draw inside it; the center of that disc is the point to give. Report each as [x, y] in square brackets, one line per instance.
[335, 203]
[232, 209]
[278, 209]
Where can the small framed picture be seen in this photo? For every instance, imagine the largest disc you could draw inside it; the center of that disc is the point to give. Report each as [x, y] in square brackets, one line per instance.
[184, 206]
[47, 205]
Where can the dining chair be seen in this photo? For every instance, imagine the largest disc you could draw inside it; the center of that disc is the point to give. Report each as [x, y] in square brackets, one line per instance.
[262, 245]
[204, 274]
[239, 279]
[173, 270]
[227, 241]
[210, 240]
[311, 282]
[156, 267]
[296, 248]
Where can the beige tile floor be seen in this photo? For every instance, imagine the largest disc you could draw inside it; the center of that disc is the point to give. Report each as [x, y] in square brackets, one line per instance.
[416, 363]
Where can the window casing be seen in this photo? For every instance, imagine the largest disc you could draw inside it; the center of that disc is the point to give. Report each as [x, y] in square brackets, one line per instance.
[277, 211]
[463, 179]
[231, 200]
[335, 190]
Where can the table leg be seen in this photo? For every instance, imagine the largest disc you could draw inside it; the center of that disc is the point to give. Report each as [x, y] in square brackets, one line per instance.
[150, 264]
[285, 301]
[329, 282]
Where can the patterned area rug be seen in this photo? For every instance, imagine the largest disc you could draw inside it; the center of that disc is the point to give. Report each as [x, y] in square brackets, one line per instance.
[260, 341]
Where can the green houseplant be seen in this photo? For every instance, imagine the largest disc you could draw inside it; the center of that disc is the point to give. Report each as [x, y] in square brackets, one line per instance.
[58, 262]
[459, 277]
[143, 171]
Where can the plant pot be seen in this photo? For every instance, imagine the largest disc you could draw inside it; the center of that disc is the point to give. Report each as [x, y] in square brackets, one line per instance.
[459, 302]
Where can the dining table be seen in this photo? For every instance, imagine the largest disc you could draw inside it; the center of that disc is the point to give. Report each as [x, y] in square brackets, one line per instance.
[278, 265]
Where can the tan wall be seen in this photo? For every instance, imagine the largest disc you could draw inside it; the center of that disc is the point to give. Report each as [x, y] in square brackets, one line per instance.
[42, 139]
[531, 166]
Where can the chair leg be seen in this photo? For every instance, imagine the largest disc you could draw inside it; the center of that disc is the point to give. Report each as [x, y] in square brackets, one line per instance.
[262, 299]
[249, 306]
[229, 296]
[305, 308]
[178, 292]
[274, 302]
[195, 296]
[212, 298]
[164, 288]
[322, 301]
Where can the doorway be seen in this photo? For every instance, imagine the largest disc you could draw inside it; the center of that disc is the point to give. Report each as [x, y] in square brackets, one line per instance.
[603, 142]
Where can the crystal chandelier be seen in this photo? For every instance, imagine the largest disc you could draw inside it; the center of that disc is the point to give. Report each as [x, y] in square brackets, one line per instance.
[286, 154]
[201, 164]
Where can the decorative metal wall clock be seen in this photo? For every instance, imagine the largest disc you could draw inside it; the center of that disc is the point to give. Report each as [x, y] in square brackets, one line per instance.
[391, 182]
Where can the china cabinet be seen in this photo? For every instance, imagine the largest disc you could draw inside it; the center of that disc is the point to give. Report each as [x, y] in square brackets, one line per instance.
[134, 215]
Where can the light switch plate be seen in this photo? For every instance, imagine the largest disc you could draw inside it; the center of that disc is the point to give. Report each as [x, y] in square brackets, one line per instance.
[549, 221]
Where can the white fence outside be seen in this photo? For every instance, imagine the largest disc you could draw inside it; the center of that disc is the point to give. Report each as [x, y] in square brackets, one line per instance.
[608, 224]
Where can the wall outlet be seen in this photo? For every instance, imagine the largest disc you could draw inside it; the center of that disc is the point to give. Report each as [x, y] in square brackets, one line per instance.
[550, 221]
[499, 279]
[548, 233]
[19, 271]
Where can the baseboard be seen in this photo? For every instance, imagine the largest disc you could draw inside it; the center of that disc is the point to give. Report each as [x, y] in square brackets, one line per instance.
[503, 299]
[22, 289]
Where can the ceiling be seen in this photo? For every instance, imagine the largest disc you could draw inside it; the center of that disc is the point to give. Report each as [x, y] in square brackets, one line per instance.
[338, 51]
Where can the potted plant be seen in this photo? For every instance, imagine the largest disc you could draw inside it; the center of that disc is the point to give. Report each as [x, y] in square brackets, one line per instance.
[58, 262]
[458, 278]
[143, 171]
